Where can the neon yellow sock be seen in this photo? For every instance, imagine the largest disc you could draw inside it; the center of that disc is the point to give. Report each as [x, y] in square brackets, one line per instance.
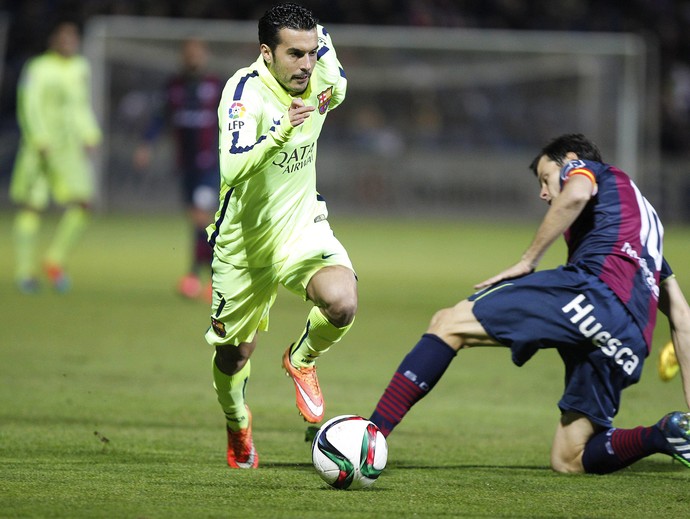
[230, 391]
[25, 231]
[69, 230]
[318, 336]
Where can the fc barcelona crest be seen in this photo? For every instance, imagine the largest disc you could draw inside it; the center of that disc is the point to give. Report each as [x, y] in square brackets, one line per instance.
[218, 327]
[324, 100]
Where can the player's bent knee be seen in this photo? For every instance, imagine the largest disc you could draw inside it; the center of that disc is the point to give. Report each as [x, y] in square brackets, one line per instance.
[342, 312]
[566, 465]
[448, 320]
[564, 468]
[442, 325]
[334, 290]
[231, 359]
[440, 320]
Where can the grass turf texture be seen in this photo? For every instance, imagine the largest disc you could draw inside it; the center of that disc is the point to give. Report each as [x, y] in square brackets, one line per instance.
[108, 410]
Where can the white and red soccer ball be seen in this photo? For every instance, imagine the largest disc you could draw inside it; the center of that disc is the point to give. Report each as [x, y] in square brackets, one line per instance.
[349, 452]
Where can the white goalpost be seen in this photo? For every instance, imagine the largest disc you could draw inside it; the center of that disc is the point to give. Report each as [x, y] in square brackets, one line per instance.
[435, 120]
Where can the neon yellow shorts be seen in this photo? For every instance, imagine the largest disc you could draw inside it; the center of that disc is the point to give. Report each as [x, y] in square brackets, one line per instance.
[65, 175]
[243, 296]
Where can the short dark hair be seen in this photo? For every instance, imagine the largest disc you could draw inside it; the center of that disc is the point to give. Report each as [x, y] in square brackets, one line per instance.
[557, 149]
[57, 24]
[284, 16]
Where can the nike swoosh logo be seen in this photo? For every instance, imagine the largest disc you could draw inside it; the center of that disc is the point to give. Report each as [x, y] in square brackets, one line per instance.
[250, 461]
[326, 256]
[316, 409]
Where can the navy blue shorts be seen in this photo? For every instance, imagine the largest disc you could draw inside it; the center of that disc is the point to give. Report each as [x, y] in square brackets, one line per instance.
[573, 311]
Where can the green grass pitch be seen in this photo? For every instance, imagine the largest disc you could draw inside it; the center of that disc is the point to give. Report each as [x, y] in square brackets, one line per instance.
[107, 408]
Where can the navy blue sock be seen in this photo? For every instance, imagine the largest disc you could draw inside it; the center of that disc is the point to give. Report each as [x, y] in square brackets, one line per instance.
[202, 252]
[415, 377]
[615, 449]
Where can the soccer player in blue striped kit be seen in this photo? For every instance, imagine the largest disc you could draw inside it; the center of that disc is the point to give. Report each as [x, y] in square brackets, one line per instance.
[598, 311]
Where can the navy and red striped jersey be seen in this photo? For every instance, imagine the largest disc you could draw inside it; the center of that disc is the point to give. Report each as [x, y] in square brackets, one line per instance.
[619, 238]
[191, 105]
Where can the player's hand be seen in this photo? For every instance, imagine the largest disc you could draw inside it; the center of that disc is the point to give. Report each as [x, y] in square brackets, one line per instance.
[520, 269]
[298, 112]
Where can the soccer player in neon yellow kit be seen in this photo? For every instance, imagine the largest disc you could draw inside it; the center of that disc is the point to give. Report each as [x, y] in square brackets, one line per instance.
[271, 227]
[58, 129]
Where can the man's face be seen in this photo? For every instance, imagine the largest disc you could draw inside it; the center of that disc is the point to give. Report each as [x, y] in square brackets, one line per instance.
[548, 173]
[194, 55]
[66, 40]
[293, 60]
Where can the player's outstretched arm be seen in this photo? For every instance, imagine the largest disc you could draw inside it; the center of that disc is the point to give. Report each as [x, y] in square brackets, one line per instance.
[675, 307]
[564, 210]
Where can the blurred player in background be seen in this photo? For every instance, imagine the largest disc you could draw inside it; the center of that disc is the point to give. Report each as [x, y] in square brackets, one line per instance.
[271, 227]
[667, 363]
[191, 103]
[598, 311]
[58, 131]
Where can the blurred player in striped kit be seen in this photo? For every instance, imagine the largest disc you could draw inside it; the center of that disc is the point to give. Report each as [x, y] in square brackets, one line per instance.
[58, 131]
[191, 103]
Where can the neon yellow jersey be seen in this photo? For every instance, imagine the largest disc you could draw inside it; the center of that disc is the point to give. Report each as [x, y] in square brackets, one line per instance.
[268, 174]
[53, 103]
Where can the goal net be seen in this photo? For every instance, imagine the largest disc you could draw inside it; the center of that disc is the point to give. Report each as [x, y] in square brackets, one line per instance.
[435, 120]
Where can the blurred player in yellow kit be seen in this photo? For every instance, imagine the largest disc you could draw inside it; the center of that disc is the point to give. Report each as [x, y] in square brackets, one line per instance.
[58, 131]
